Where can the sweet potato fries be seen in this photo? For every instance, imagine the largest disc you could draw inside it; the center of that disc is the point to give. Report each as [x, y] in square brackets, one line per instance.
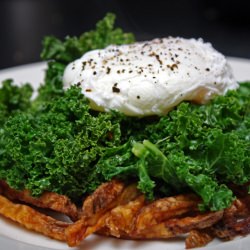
[120, 210]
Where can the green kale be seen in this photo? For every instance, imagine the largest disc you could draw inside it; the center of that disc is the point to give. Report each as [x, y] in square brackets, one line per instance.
[56, 148]
[73, 47]
[202, 148]
[13, 99]
[59, 53]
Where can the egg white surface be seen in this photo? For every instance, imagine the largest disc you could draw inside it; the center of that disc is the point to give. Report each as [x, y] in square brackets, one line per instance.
[150, 78]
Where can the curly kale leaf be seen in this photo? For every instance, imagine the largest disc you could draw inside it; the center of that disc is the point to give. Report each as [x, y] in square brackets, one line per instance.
[13, 99]
[198, 148]
[57, 147]
[176, 171]
[73, 47]
[59, 53]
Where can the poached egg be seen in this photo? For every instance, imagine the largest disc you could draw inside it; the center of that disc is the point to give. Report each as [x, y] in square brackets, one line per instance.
[151, 77]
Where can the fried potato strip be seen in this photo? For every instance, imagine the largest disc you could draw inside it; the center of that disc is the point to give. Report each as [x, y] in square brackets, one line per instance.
[32, 219]
[50, 200]
[121, 220]
[198, 238]
[96, 207]
[200, 221]
[236, 220]
[165, 208]
[171, 220]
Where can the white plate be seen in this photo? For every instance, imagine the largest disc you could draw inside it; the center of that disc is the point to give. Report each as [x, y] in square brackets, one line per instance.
[14, 237]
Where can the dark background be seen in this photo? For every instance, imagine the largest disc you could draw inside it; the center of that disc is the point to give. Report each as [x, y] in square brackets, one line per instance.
[23, 23]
